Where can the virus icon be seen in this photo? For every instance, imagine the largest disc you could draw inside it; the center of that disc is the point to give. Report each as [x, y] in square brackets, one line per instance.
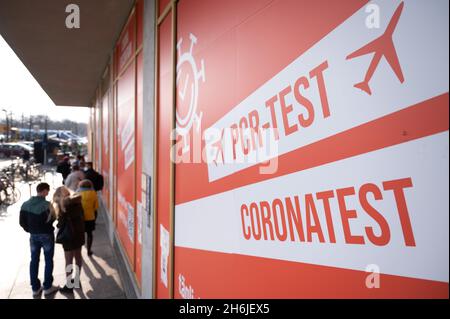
[187, 81]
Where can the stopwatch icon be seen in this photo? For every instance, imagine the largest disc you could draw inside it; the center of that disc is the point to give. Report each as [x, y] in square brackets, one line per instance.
[187, 81]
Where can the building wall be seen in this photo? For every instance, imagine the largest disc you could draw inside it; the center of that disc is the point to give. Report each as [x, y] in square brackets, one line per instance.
[362, 145]
[118, 128]
[147, 148]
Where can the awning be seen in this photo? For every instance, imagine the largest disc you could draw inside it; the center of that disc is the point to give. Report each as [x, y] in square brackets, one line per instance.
[67, 63]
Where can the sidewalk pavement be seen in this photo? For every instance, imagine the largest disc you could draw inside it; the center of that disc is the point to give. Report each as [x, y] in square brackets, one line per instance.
[99, 278]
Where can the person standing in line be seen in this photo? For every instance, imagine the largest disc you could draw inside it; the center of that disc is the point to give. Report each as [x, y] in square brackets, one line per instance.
[81, 162]
[95, 177]
[64, 168]
[74, 178]
[89, 202]
[69, 212]
[36, 219]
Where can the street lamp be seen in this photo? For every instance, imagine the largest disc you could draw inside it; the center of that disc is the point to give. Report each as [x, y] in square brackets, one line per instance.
[29, 131]
[7, 125]
[11, 126]
[45, 141]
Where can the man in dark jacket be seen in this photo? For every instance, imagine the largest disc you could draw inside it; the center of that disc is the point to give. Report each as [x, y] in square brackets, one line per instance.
[94, 177]
[35, 218]
[64, 168]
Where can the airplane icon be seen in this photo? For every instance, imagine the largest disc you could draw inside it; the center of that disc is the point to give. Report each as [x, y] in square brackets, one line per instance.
[382, 46]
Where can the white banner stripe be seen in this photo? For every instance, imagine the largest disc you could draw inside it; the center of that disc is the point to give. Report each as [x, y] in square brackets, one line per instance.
[421, 42]
[214, 223]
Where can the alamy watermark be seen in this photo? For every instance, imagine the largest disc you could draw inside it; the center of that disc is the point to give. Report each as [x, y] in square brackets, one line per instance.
[73, 280]
[228, 146]
[73, 19]
[373, 279]
[373, 17]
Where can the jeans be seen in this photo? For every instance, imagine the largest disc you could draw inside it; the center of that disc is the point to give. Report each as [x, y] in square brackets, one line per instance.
[47, 242]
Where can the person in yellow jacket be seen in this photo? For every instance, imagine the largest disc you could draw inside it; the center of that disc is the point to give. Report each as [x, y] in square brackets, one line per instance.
[89, 201]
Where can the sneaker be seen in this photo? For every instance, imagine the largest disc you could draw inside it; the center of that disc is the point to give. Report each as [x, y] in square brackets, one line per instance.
[37, 292]
[66, 289]
[50, 290]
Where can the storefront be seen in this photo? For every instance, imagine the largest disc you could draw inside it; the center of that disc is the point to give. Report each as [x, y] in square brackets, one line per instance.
[117, 125]
[310, 158]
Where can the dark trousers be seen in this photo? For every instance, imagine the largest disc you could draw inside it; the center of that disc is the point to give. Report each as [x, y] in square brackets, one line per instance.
[47, 243]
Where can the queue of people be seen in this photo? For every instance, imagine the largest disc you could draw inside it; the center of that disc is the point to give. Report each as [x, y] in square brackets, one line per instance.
[74, 208]
[73, 173]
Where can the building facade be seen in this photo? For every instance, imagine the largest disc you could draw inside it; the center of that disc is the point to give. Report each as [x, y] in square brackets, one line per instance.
[278, 148]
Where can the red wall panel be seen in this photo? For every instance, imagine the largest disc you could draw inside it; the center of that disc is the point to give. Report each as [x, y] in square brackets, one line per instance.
[106, 149]
[126, 160]
[237, 57]
[163, 187]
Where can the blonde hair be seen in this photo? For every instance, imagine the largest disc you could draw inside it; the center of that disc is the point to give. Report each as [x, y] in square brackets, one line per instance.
[57, 205]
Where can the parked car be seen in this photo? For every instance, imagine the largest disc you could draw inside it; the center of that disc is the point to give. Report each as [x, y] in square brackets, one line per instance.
[28, 143]
[8, 150]
[27, 146]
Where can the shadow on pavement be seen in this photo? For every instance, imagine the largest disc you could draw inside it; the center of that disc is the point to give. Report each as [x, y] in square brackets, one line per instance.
[106, 286]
